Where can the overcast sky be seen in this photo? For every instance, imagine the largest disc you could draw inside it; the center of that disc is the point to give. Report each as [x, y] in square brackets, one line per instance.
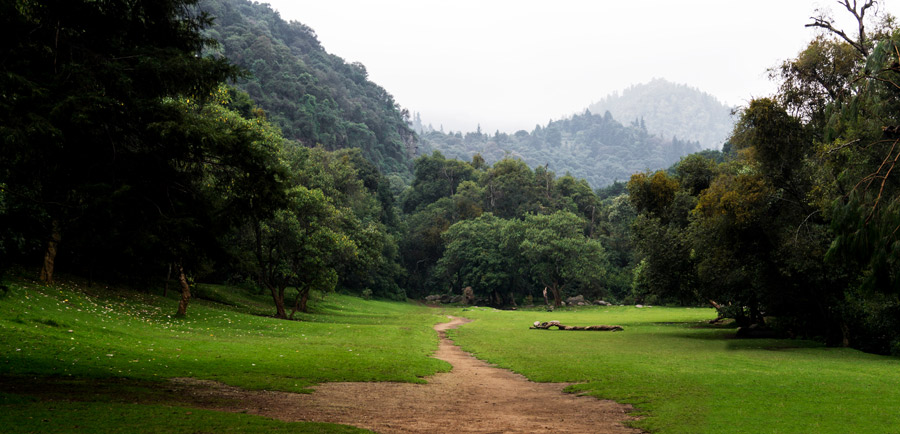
[511, 64]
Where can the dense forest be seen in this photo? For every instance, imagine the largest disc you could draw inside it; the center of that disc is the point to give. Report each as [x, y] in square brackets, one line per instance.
[143, 143]
[590, 146]
[672, 110]
[315, 97]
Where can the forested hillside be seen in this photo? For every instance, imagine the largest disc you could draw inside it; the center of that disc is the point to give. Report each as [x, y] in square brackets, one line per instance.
[671, 110]
[315, 97]
[591, 146]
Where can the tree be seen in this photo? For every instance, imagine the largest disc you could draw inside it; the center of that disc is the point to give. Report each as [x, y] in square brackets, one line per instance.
[557, 255]
[435, 177]
[475, 255]
[299, 247]
[85, 84]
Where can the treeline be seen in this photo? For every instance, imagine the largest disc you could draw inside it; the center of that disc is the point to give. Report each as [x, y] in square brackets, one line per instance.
[797, 234]
[589, 146]
[509, 232]
[316, 98]
[126, 156]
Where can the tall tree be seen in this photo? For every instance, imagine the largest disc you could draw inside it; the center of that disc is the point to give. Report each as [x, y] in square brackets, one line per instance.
[558, 255]
[84, 82]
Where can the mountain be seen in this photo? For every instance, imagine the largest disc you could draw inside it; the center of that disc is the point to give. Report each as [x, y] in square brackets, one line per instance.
[591, 146]
[315, 97]
[672, 110]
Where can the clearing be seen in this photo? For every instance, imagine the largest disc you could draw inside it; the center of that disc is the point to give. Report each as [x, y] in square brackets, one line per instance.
[474, 397]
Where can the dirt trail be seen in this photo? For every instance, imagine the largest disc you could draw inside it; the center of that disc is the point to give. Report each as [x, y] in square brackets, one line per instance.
[474, 397]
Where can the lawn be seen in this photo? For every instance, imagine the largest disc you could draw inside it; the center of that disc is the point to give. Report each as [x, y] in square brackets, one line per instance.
[70, 331]
[100, 358]
[687, 377]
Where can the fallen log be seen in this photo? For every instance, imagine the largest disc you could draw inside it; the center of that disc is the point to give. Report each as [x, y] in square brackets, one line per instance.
[546, 326]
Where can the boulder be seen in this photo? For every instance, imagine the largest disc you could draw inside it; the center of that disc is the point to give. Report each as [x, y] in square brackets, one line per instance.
[468, 295]
[433, 298]
[575, 300]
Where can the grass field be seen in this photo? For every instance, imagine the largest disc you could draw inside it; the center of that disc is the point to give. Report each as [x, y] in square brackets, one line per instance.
[95, 353]
[62, 332]
[686, 377]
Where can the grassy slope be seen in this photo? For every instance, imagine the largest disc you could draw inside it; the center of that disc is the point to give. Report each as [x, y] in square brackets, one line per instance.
[686, 378]
[62, 332]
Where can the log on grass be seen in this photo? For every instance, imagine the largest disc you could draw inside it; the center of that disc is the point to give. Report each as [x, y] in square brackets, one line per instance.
[546, 326]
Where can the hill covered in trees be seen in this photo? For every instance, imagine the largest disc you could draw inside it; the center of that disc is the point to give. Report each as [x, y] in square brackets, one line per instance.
[591, 146]
[313, 96]
[671, 110]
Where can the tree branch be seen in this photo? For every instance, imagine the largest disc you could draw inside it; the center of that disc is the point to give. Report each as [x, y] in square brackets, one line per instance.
[822, 21]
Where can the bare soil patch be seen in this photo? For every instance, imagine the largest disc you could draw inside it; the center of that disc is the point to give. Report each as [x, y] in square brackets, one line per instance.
[474, 397]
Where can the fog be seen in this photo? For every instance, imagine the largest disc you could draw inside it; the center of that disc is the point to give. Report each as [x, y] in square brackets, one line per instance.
[509, 65]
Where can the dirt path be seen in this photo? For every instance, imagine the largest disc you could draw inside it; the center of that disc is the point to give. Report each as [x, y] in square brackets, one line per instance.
[473, 397]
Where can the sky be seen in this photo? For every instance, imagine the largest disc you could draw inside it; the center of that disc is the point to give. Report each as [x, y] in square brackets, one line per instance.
[512, 64]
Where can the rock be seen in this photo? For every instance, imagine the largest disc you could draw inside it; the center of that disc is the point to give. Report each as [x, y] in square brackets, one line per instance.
[581, 303]
[433, 298]
[456, 299]
[602, 303]
[639, 306]
[445, 298]
[468, 295]
[575, 300]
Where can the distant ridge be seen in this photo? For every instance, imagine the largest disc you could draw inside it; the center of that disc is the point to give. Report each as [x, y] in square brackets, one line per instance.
[671, 110]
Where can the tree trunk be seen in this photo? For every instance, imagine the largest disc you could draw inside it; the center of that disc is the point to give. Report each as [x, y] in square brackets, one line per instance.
[278, 296]
[185, 291]
[296, 304]
[303, 302]
[845, 335]
[554, 290]
[50, 255]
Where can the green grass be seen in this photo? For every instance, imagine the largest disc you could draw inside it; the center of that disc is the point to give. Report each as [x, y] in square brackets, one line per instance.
[62, 332]
[100, 359]
[85, 417]
[686, 377]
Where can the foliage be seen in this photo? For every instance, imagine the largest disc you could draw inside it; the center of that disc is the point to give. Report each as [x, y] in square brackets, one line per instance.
[556, 254]
[470, 224]
[799, 232]
[589, 146]
[476, 254]
[315, 98]
[105, 137]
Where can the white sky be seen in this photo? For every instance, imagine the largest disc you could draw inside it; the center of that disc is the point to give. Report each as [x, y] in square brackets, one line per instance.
[511, 64]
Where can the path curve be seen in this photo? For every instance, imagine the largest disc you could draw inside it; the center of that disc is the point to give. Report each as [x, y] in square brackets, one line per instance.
[474, 397]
